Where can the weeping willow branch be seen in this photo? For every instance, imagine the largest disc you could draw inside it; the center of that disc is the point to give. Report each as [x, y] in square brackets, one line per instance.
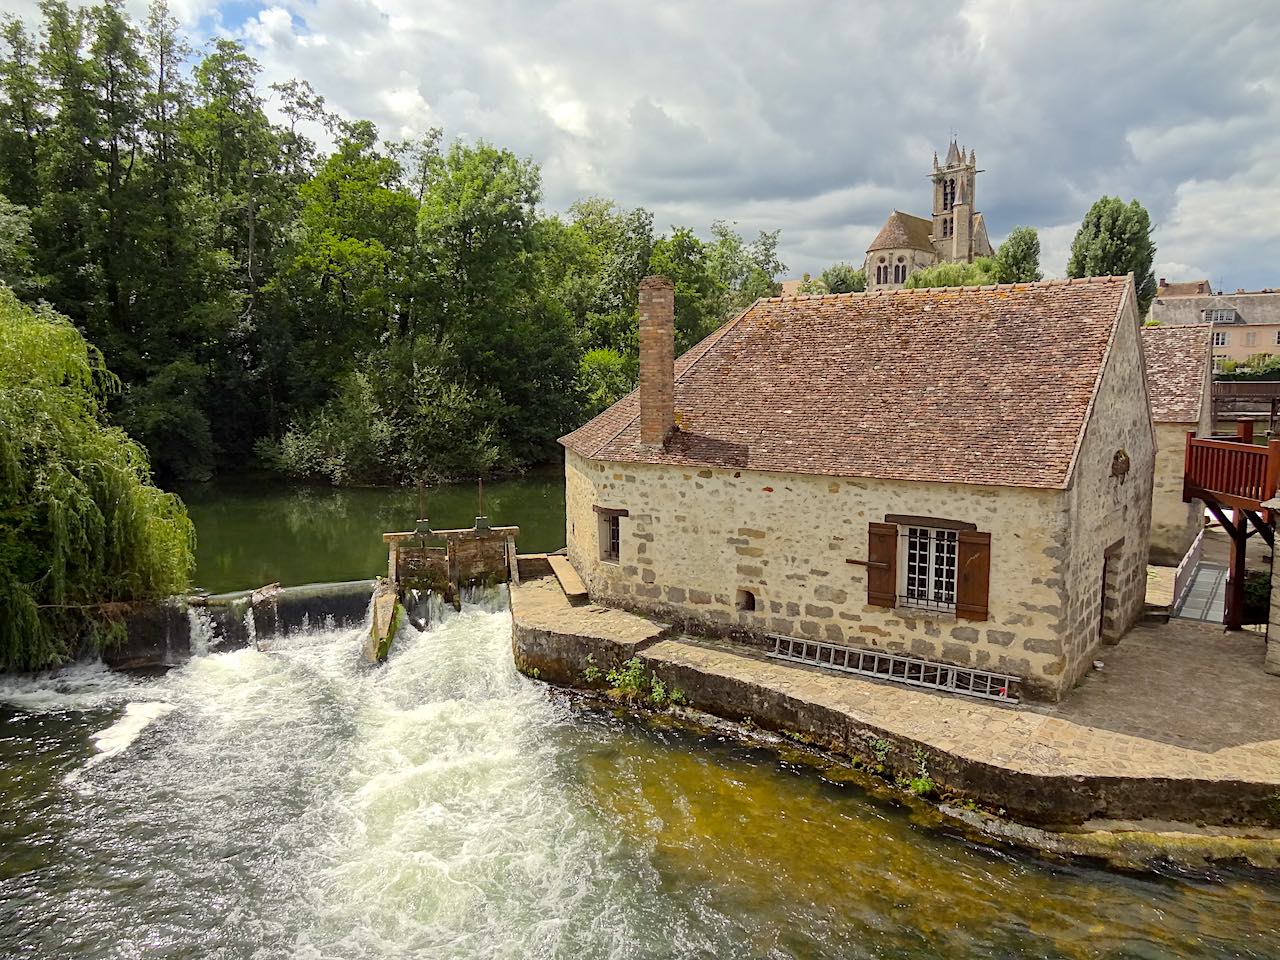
[81, 527]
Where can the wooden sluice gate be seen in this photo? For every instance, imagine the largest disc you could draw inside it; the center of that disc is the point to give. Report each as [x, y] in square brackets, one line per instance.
[440, 562]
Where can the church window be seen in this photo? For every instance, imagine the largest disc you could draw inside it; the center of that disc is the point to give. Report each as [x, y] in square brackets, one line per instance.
[948, 193]
[900, 271]
[946, 227]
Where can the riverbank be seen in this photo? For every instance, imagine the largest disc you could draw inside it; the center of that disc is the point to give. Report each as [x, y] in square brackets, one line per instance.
[1173, 737]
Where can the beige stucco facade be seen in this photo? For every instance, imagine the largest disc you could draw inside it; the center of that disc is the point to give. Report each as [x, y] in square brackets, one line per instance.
[692, 539]
[1174, 524]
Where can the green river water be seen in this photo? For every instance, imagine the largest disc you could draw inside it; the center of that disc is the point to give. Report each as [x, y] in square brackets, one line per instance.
[290, 802]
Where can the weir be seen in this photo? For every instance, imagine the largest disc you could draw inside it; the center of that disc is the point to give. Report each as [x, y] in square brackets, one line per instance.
[424, 563]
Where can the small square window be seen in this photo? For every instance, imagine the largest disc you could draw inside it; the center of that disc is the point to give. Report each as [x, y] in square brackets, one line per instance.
[610, 537]
[1221, 338]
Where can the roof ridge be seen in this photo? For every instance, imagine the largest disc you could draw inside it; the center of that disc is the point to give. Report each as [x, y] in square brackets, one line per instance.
[1020, 284]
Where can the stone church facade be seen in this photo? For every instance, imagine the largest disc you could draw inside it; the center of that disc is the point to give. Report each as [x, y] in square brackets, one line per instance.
[957, 233]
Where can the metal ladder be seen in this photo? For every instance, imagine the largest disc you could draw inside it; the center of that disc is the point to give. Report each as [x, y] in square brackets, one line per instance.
[898, 669]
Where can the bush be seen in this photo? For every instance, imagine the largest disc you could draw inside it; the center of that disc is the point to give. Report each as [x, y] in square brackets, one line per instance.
[81, 526]
[1257, 596]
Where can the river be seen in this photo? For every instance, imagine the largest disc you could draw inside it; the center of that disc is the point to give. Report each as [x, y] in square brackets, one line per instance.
[291, 802]
[251, 531]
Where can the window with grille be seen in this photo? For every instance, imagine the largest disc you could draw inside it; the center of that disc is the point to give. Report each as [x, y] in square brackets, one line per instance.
[1221, 338]
[929, 568]
[1220, 316]
[1278, 338]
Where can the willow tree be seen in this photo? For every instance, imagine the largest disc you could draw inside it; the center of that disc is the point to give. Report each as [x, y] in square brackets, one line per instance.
[82, 530]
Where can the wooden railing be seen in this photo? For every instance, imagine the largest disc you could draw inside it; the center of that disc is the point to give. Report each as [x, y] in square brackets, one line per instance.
[1233, 472]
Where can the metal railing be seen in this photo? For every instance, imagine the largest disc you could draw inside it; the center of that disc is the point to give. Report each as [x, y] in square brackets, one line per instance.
[896, 668]
[1185, 575]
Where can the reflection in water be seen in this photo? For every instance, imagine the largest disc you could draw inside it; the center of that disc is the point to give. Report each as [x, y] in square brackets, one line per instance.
[249, 533]
[294, 803]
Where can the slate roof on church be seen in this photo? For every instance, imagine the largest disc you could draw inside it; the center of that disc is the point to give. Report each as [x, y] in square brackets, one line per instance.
[902, 230]
[982, 385]
[1177, 365]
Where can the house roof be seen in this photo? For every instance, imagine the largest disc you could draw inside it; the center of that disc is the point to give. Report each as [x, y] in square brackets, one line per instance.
[1177, 364]
[902, 230]
[982, 385]
[1189, 288]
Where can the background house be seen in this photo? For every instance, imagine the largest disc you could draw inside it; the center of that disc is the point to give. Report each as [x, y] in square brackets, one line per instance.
[1245, 323]
[1180, 385]
[956, 475]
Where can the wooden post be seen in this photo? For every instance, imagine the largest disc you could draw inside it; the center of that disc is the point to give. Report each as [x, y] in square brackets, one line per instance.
[1244, 430]
[1234, 613]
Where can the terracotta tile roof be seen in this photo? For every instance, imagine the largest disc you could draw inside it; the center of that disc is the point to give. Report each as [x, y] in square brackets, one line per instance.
[1190, 288]
[903, 231]
[1178, 360]
[984, 385]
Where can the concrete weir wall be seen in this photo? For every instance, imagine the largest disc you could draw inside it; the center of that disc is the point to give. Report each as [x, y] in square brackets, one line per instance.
[161, 634]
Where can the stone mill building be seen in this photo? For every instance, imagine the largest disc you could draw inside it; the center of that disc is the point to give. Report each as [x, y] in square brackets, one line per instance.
[958, 476]
[956, 233]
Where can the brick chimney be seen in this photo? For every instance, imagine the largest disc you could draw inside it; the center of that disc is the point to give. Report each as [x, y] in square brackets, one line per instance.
[657, 360]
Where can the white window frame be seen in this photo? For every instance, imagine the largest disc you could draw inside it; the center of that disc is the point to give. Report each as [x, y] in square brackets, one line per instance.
[1278, 338]
[608, 523]
[1222, 338]
[1221, 315]
[1219, 364]
[928, 582]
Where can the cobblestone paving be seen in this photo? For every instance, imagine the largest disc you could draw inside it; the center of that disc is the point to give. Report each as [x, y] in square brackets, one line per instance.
[1180, 700]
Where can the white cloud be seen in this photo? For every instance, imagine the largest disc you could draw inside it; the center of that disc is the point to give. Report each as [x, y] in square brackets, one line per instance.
[818, 118]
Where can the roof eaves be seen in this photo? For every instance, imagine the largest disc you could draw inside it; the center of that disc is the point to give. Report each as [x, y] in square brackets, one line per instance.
[1102, 372]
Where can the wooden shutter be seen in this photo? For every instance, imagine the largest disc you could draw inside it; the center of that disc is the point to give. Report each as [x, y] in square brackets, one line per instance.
[973, 574]
[882, 564]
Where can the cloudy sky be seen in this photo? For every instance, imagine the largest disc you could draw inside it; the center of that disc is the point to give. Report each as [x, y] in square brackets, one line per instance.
[818, 118]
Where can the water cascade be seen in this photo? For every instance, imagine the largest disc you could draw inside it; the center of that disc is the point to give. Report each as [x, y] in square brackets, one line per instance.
[293, 802]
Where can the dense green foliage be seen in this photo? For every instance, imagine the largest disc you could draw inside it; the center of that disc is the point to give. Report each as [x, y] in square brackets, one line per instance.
[1018, 259]
[981, 271]
[837, 278]
[370, 314]
[80, 524]
[1115, 239]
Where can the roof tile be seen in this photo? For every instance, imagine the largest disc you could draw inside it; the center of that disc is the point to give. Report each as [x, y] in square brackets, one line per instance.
[1178, 361]
[983, 386]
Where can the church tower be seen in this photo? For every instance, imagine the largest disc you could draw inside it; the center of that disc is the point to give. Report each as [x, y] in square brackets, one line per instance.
[954, 201]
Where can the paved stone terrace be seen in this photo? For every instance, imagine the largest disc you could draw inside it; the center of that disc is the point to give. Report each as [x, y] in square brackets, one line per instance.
[1183, 701]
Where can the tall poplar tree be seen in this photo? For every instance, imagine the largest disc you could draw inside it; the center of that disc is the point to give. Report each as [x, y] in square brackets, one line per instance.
[1115, 239]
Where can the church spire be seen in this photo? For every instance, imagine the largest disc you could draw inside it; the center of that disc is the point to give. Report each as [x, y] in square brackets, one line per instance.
[954, 157]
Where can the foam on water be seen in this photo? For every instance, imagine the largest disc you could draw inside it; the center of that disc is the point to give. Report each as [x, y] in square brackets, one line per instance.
[296, 802]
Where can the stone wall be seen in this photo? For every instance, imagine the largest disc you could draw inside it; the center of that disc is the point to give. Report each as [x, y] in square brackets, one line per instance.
[1174, 524]
[1272, 662]
[916, 260]
[1110, 506]
[693, 538]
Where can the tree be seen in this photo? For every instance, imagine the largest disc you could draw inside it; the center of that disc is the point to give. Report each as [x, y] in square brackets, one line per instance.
[605, 377]
[743, 271]
[980, 272]
[15, 247]
[1115, 239]
[21, 119]
[1018, 259]
[80, 524]
[699, 291]
[842, 278]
